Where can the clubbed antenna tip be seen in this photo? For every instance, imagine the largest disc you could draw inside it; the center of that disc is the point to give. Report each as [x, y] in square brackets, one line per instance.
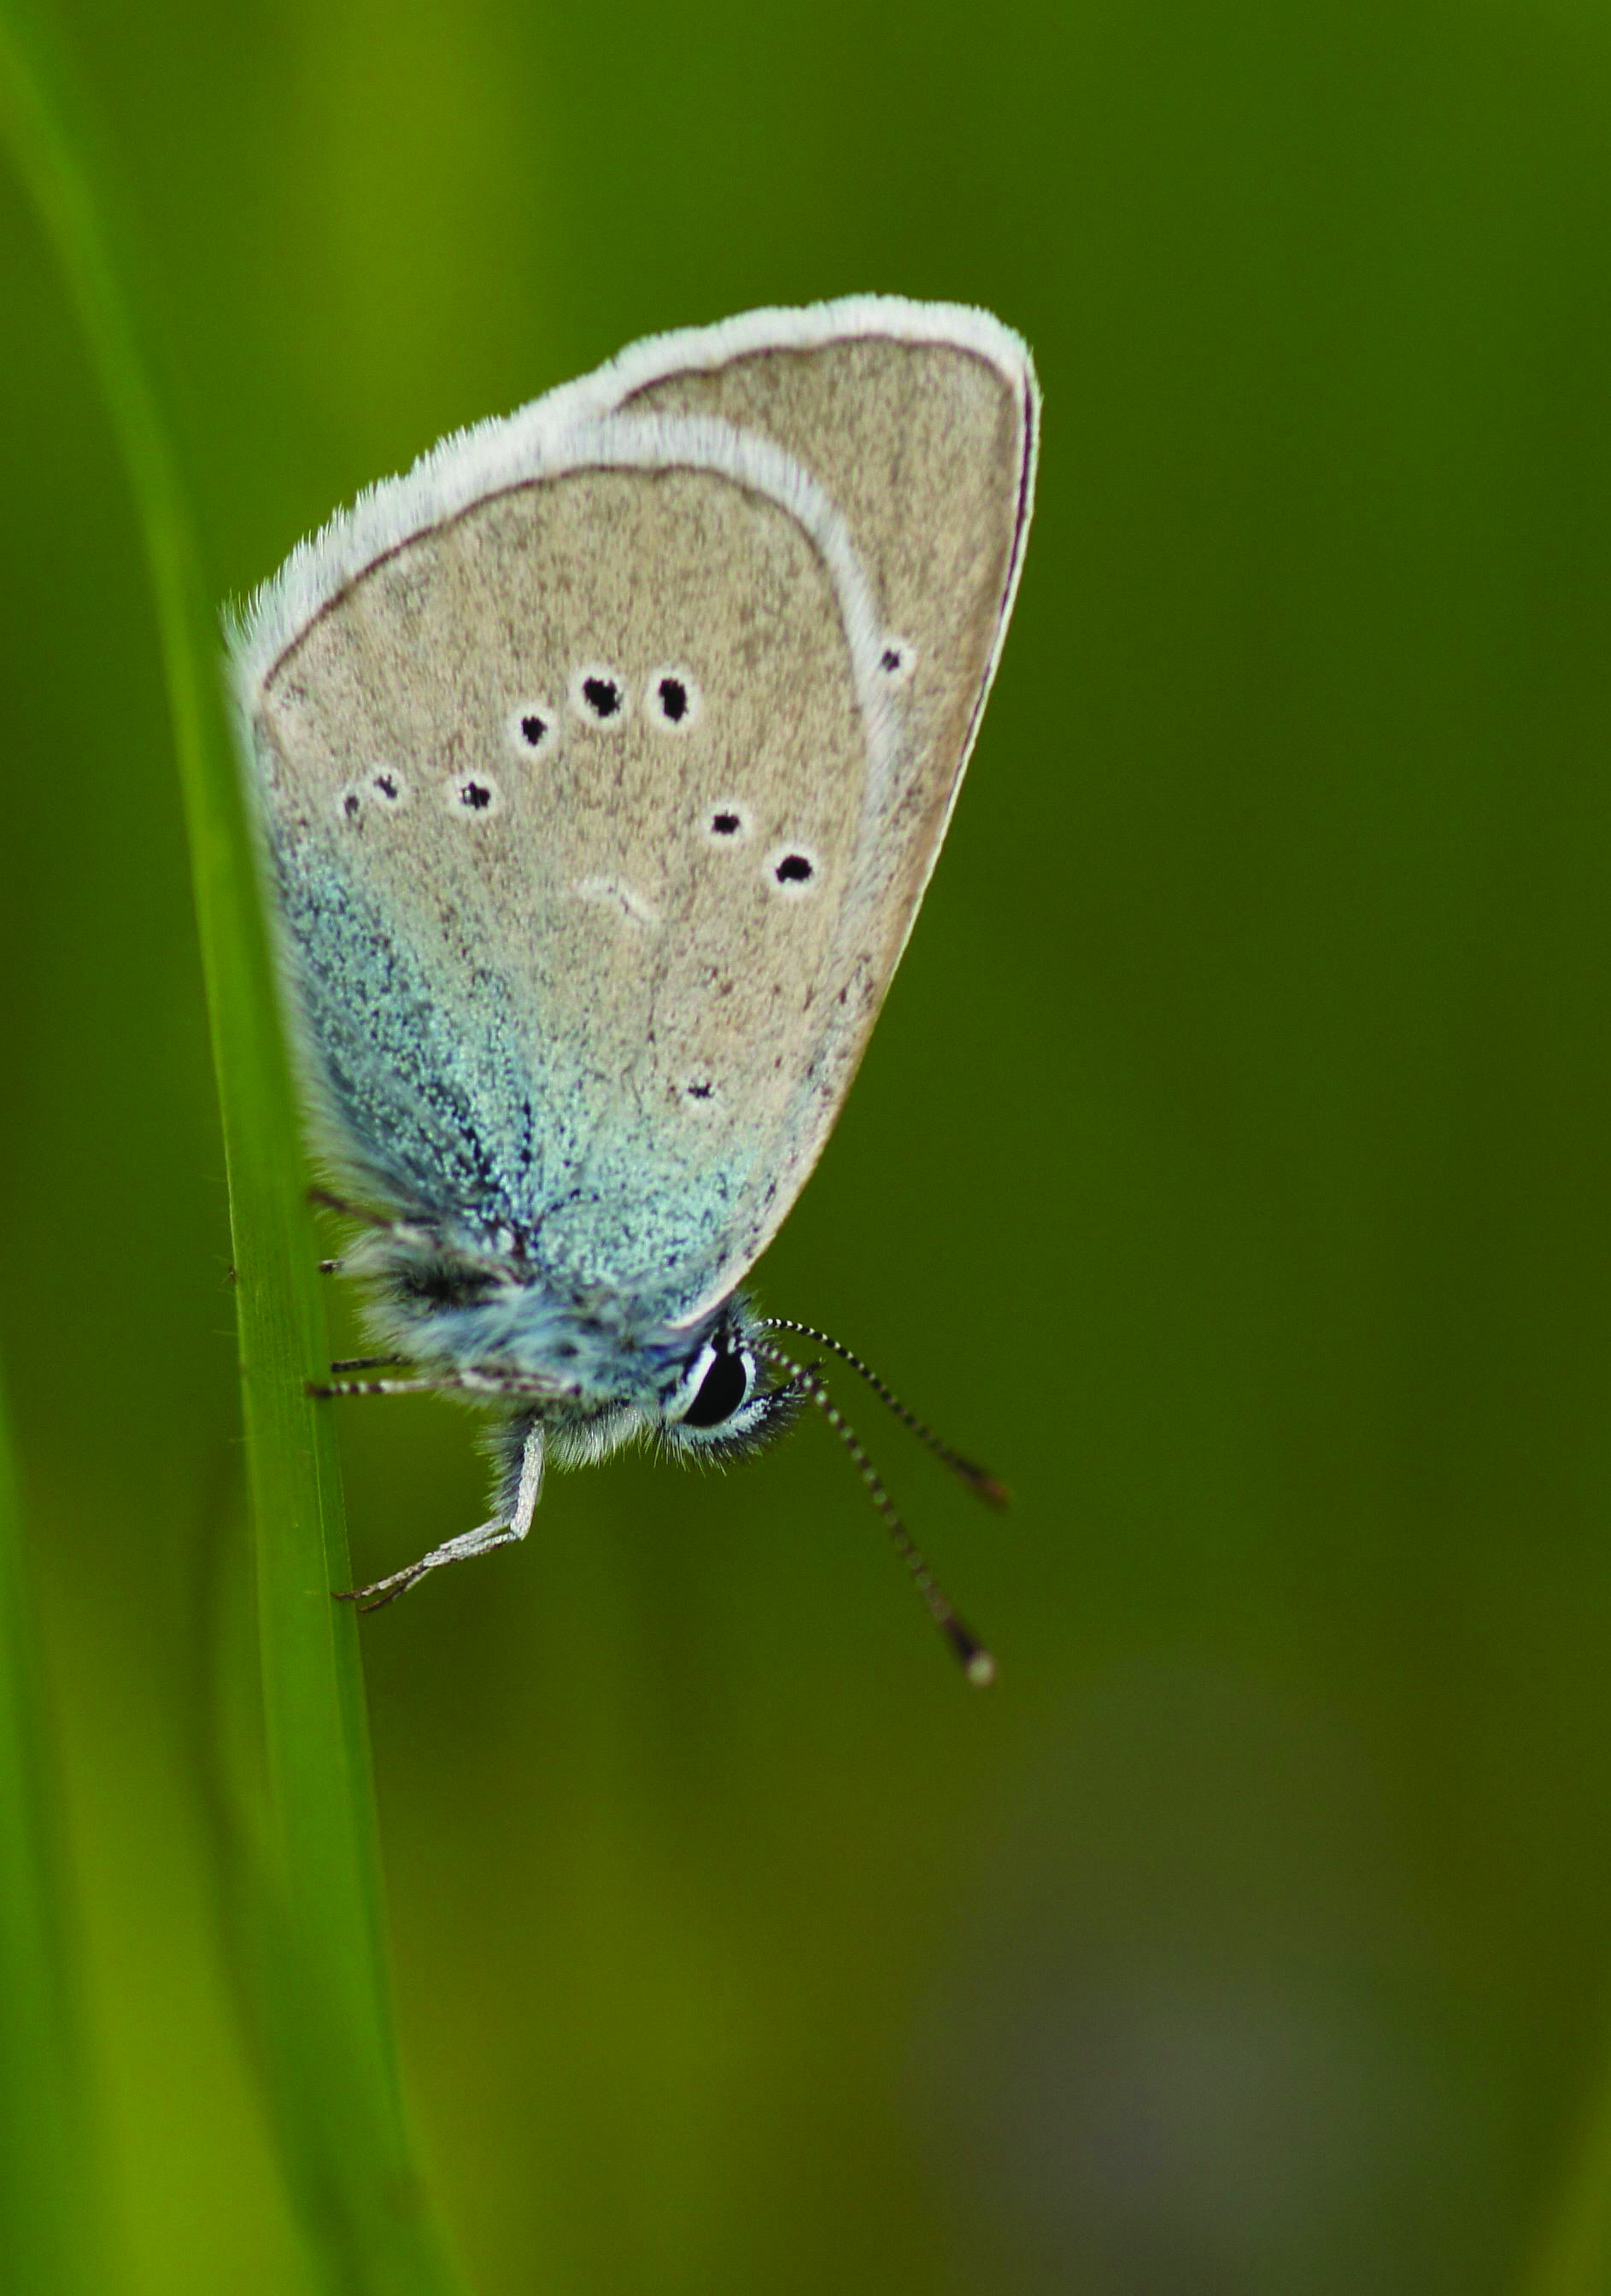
[988, 1489]
[977, 1662]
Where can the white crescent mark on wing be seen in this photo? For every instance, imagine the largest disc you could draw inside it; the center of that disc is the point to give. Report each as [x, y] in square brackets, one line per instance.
[616, 891]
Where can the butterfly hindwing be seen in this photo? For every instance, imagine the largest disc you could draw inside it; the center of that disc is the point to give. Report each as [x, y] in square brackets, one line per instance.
[568, 917]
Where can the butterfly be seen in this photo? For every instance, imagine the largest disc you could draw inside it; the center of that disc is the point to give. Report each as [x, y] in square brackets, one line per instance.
[602, 761]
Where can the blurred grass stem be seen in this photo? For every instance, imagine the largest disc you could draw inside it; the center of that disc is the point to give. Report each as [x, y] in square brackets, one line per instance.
[326, 2008]
[1573, 2258]
[48, 2234]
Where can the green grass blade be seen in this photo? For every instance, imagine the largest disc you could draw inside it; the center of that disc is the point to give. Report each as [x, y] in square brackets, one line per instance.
[328, 2022]
[48, 2232]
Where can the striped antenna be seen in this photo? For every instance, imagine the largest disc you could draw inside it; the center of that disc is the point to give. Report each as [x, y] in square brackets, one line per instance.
[975, 1661]
[977, 1480]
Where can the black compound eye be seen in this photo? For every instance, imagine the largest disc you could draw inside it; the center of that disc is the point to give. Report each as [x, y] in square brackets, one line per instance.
[721, 1390]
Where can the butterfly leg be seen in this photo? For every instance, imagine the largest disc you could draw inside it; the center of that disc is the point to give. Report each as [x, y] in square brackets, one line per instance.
[325, 1389]
[379, 1223]
[328, 1203]
[481, 1540]
[491, 1384]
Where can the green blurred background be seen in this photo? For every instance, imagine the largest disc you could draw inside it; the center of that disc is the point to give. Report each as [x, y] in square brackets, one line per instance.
[1228, 1171]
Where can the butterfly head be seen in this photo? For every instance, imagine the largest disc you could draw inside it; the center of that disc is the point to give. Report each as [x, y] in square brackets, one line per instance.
[718, 1401]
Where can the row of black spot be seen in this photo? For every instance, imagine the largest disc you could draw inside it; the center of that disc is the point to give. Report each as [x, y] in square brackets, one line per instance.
[792, 869]
[600, 696]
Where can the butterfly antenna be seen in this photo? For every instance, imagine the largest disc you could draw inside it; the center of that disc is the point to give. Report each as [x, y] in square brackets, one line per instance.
[984, 1484]
[975, 1661]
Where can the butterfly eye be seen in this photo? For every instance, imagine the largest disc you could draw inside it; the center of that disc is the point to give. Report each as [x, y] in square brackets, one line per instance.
[723, 1389]
[672, 700]
[599, 695]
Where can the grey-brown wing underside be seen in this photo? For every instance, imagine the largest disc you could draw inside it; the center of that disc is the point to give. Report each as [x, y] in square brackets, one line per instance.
[569, 799]
[920, 421]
